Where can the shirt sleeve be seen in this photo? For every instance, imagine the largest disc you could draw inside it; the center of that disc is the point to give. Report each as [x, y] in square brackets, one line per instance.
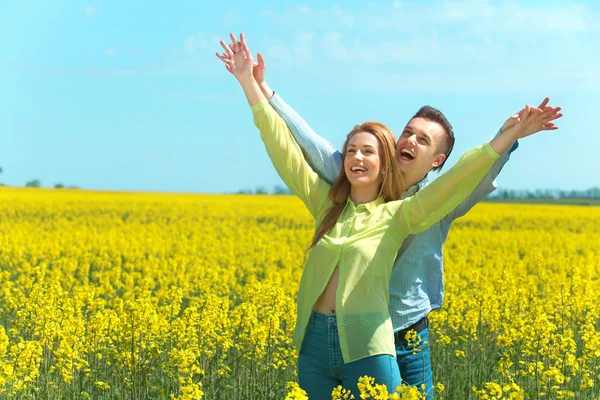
[320, 154]
[484, 188]
[432, 203]
[288, 159]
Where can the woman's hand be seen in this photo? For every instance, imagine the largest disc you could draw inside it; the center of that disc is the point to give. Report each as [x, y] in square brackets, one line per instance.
[548, 126]
[258, 69]
[237, 58]
[531, 120]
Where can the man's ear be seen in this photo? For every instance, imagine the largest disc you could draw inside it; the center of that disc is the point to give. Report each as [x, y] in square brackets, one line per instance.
[439, 160]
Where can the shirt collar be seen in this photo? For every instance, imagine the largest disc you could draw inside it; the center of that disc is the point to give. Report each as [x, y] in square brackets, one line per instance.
[370, 206]
[411, 191]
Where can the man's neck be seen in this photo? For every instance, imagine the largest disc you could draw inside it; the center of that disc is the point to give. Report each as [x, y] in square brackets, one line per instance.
[410, 179]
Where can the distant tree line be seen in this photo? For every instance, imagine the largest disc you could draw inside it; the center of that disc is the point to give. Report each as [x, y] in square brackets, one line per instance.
[278, 189]
[545, 194]
[35, 183]
[592, 193]
[500, 194]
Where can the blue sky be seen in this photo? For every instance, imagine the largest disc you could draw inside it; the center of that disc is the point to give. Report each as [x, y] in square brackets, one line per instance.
[130, 96]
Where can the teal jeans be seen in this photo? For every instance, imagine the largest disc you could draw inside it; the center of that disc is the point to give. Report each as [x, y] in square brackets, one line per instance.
[414, 362]
[321, 367]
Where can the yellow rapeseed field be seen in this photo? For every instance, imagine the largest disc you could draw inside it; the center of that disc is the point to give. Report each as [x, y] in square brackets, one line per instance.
[124, 295]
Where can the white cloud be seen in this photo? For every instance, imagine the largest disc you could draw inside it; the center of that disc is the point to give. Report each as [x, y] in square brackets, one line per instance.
[475, 34]
[90, 12]
[506, 16]
[298, 50]
[202, 42]
[445, 46]
[302, 16]
[342, 17]
[110, 52]
[333, 44]
[229, 18]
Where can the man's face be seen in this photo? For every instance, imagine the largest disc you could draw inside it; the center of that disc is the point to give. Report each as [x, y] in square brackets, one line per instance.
[418, 148]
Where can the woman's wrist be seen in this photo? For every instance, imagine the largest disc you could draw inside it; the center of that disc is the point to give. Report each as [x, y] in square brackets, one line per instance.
[505, 140]
[251, 90]
[245, 79]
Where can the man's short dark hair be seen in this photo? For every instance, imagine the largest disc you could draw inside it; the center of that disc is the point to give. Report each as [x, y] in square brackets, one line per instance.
[434, 115]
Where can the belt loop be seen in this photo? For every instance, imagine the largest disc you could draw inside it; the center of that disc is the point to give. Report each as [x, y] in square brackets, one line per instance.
[311, 321]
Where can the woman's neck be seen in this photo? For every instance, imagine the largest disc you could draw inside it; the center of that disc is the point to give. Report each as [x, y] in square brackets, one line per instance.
[360, 195]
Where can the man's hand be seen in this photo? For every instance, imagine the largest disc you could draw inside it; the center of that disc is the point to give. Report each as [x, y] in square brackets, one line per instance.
[515, 118]
[258, 70]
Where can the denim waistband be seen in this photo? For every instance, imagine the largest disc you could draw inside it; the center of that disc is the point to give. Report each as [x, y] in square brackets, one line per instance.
[317, 318]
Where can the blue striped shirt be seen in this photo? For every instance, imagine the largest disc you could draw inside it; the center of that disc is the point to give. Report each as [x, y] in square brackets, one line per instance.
[417, 283]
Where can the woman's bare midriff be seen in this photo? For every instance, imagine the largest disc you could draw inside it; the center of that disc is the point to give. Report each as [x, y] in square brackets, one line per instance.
[326, 302]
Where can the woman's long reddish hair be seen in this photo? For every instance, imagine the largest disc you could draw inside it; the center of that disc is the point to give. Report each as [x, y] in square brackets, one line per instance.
[391, 185]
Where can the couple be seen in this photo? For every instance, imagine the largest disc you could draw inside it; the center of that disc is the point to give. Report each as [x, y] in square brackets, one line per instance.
[375, 266]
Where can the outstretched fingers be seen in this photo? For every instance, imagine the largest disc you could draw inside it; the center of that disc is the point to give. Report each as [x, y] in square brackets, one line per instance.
[245, 48]
[261, 61]
[544, 103]
[233, 39]
[223, 57]
[539, 118]
[227, 49]
[525, 113]
[551, 114]
[226, 60]
[549, 126]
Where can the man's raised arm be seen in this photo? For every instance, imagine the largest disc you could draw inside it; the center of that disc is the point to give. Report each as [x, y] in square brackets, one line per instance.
[320, 154]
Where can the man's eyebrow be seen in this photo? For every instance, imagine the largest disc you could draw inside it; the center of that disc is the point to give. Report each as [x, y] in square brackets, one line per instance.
[412, 130]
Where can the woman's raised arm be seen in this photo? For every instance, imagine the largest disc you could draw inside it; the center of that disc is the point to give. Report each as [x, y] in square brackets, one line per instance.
[432, 203]
[286, 156]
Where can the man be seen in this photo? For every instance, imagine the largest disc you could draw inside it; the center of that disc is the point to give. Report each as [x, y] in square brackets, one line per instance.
[416, 286]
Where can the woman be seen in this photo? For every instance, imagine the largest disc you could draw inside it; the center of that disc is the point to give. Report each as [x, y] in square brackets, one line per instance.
[360, 227]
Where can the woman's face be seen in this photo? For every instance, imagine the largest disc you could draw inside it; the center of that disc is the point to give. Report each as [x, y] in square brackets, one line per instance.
[362, 164]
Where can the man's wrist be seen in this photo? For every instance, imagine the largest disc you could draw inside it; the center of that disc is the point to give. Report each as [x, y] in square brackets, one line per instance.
[266, 90]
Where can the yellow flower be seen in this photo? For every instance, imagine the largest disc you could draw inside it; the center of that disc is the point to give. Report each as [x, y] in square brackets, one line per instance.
[187, 296]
